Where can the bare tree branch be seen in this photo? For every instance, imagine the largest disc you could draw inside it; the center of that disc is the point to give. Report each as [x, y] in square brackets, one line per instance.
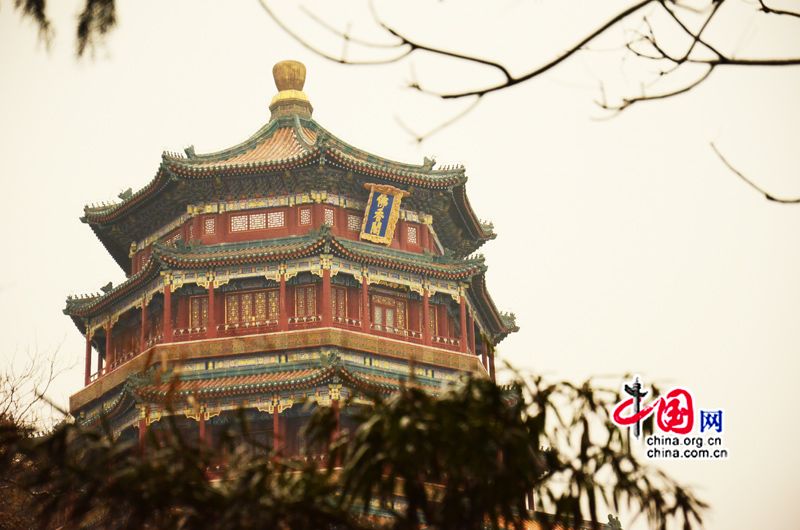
[345, 35]
[324, 54]
[766, 9]
[750, 183]
[419, 138]
[414, 45]
[627, 102]
[410, 45]
[644, 44]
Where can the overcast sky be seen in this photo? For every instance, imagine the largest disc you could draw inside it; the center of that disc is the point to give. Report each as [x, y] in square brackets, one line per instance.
[624, 245]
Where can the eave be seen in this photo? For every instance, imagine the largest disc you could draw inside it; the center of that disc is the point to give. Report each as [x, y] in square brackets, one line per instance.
[327, 149]
[270, 251]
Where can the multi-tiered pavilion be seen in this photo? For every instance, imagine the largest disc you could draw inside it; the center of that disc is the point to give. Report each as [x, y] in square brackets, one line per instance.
[288, 269]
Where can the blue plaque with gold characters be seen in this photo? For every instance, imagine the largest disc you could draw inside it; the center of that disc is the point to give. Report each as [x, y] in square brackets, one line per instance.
[383, 210]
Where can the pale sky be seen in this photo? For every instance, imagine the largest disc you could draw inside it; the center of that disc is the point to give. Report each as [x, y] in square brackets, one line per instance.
[624, 245]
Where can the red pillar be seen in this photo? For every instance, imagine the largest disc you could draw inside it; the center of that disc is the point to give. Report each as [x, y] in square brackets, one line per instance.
[88, 368]
[336, 410]
[142, 433]
[327, 315]
[491, 365]
[364, 304]
[99, 363]
[442, 321]
[143, 328]
[283, 314]
[211, 323]
[276, 430]
[109, 353]
[167, 327]
[426, 318]
[462, 343]
[201, 426]
[335, 434]
[471, 333]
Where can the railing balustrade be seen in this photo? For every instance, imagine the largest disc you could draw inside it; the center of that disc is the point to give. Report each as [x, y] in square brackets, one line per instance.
[272, 326]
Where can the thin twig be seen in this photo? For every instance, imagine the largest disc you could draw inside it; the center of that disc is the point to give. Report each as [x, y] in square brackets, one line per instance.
[419, 138]
[766, 9]
[323, 53]
[652, 97]
[750, 183]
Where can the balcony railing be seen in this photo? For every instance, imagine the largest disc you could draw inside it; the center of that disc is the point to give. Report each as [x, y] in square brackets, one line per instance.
[350, 323]
[184, 334]
[271, 326]
[247, 328]
[448, 343]
[153, 340]
[391, 331]
[304, 322]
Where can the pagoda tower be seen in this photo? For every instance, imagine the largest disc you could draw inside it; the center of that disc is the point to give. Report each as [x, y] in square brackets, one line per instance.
[288, 269]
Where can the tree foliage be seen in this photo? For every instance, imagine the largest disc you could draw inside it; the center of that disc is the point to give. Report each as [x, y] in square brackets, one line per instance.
[466, 459]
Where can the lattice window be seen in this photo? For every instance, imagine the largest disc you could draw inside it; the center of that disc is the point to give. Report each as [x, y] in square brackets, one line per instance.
[251, 306]
[412, 234]
[272, 305]
[238, 223]
[232, 309]
[353, 222]
[305, 301]
[210, 226]
[389, 312]
[305, 216]
[339, 302]
[191, 232]
[258, 221]
[329, 216]
[261, 306]
[247, 307]
[198, 312]
[276, 219]
[401, 314]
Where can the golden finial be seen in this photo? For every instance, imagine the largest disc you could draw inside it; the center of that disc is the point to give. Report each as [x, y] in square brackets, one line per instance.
[290, 76]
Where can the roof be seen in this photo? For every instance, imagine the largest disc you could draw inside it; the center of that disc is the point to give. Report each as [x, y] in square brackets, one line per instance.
[156, 387]
[168, 257]
[285, 143]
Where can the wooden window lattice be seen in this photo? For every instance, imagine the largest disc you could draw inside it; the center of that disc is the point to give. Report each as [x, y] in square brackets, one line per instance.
[389, 312]
[276, 219]
[305, 216]
[210, 226]
[238, 223]
[258, 221]
[251, 307]
[339, 302]
[305, 303]
[198, 312]
[231, 309]
[329, 217]
[353, 222]
[412, 234]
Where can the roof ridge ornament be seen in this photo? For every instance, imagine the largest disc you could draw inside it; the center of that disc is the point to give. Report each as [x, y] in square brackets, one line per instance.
[290, 77]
